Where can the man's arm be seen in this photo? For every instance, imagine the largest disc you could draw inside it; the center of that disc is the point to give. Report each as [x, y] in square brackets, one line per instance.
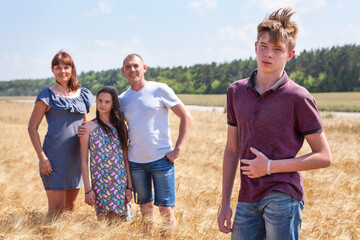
[184, 129]
[319, 157]
[230, 164]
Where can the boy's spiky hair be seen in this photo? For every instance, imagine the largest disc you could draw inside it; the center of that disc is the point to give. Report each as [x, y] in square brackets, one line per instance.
[280, 28]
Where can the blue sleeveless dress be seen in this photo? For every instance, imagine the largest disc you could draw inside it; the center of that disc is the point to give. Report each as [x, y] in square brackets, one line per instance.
[61, 144]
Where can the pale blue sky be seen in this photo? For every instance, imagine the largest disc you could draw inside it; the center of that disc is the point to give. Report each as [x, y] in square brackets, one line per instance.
[167, 33]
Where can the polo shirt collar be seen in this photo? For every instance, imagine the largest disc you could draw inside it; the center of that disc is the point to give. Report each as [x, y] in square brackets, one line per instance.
[276, 86]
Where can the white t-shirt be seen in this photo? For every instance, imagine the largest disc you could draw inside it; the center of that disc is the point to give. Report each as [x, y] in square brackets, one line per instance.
[146, 112]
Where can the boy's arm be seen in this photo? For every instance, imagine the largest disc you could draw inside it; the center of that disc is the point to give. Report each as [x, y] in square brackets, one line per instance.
[319, 157]
[230, 164]
[184, 129]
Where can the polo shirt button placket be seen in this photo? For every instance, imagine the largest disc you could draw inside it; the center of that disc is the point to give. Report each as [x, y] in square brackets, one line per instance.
[257, 107]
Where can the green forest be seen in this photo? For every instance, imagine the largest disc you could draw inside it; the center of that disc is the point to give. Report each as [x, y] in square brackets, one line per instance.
[335, 69]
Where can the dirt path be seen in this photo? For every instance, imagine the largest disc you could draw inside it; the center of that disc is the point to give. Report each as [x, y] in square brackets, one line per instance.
[221, 109]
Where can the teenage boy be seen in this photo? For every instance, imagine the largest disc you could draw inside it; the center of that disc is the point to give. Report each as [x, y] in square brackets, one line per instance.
[269, 116]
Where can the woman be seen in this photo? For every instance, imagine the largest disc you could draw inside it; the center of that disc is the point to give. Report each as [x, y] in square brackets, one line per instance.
[65, 106]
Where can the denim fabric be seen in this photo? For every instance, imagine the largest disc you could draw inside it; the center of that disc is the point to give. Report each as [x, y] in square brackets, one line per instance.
[161, 174]
[275, 217]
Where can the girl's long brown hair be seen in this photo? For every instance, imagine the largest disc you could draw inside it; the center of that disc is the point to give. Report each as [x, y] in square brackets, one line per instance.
[117, 118]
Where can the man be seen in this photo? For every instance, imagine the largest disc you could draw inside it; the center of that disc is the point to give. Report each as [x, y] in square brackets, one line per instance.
[145, 105]
[269, 116]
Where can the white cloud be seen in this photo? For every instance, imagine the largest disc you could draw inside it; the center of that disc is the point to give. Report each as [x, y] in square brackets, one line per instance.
[102, 43]
[132, 41]
[19, 66]
[352, 31]
[203, 5]
[102, 8]
[245, 33]
[132, 17]
[309, 5]
[5, 57]
[228, 52]
[164, 58]
[12, 60]
[105, 8]
[274, 4]
[303, 32]
[297, 5]
[97, 61]
[339, 5]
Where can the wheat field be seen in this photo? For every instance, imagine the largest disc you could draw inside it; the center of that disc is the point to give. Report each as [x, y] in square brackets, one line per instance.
[332, 195]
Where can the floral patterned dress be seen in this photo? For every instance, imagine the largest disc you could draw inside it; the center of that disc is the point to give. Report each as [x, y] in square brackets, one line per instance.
[108, 173]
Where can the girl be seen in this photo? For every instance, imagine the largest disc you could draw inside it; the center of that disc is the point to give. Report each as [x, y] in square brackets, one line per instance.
[111, 187]
[65, 106]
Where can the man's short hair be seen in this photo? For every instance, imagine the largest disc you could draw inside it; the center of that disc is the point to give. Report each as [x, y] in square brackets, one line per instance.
[132, 55]
[280, 28]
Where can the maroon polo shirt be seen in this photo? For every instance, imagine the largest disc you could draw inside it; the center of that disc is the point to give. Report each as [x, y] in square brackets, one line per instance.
[274, 123]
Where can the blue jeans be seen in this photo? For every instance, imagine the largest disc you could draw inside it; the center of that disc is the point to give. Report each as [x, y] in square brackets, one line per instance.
[161, 174]
[275, 217]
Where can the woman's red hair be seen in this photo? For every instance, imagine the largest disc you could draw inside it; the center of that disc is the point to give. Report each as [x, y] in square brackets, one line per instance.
[64, 58]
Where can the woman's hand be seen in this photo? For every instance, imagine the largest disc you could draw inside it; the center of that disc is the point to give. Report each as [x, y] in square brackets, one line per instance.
[45, 167]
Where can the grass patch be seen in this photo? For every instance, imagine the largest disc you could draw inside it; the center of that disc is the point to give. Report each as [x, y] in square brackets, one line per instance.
[340, 108]
[327, 115]
[217, 100]
[345, 99]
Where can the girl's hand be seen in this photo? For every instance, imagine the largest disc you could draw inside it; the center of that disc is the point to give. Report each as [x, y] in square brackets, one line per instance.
[90, 198]
[128, 196]
[45, 167]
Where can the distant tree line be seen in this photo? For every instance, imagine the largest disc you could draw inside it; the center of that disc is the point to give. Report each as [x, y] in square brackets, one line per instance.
[324, 70]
